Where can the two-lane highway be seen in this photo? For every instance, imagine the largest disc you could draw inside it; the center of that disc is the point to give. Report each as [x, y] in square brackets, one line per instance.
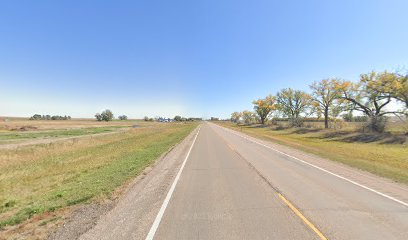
[222, 184]
[232, 188]
[220, 197]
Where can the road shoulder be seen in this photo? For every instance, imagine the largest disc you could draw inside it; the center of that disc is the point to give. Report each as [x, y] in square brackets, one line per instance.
[132, 213]
[381, 184]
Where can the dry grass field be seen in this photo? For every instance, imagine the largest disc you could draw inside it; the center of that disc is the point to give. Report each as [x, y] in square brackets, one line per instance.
[382, 154]
[19, 124]
[15, 132]
[40, 179]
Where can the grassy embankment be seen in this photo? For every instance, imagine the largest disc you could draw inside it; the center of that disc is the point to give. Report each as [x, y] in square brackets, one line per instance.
[385, 155]
[44, 178]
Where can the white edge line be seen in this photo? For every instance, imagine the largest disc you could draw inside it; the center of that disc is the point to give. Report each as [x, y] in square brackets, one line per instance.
[322, 169]
[166, 201]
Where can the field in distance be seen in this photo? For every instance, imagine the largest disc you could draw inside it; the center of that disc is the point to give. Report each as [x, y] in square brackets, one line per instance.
[39, 182]
[15, 131]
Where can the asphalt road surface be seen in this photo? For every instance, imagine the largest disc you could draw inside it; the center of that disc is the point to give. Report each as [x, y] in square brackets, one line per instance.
[234, 187]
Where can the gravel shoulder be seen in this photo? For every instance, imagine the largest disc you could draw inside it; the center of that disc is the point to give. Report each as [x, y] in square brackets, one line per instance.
[132, 213]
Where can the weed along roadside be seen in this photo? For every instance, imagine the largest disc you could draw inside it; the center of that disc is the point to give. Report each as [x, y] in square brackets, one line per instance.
[42, 179]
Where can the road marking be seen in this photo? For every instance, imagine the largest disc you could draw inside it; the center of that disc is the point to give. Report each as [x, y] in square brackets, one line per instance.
[278, 192]
[322, 169]
[300, 215]
[166, 201]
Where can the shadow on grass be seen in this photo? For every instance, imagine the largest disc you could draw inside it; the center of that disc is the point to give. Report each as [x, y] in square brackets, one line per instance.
[336, 136]
[365, 138]
[256, 126]
[396, 140]
[253, 126]
[360, 137]
[306, 130]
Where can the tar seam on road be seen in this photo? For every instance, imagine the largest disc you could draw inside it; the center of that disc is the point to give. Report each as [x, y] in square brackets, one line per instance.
[297, 212]
[166, 201]
[322, 169]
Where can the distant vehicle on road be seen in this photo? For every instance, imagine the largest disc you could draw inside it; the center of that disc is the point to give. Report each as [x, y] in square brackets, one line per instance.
[160, 119]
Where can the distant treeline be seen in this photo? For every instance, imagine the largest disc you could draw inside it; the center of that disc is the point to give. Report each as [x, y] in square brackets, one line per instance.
[49, 117]
[175, 119]
[184, 119]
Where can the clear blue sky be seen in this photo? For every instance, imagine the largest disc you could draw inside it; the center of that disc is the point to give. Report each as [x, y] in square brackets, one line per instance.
[193, 58]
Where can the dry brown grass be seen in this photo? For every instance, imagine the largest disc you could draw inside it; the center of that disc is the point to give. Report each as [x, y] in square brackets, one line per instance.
[21, 132]
[43, 179]
[18, 123]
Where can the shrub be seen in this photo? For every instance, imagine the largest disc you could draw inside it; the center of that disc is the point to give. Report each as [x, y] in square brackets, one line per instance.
[49, 117]
[360, 119]
[106, 115]
[36, 117]
[348, 117]
[296, 122]
[123, 117]
[377, 124]
[98, 117]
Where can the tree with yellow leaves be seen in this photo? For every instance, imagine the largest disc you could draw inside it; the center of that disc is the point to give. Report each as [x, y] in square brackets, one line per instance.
[264, 106]
[371, 96]
[235, 117]
[326, 97]
[392, 84]
[401, 91]
[248, 116]
[293, 103]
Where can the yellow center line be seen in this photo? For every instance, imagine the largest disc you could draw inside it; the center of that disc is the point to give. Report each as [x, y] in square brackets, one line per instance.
[289, 204]
[300, 215]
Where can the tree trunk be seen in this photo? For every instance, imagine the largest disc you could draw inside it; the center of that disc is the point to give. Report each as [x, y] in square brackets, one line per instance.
[326, 118]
